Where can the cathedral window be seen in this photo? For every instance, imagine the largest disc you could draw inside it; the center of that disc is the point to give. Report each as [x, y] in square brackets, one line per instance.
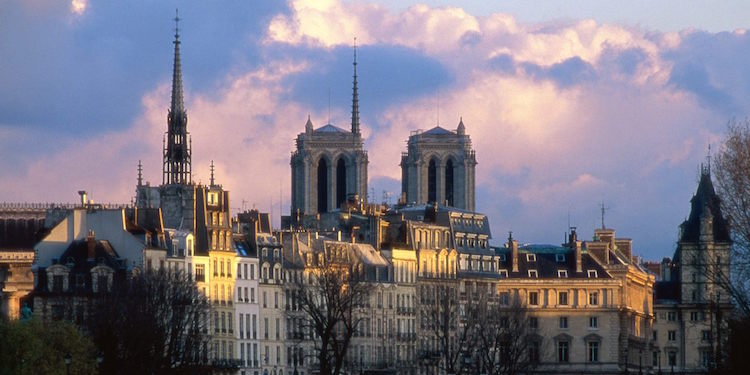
[432, 181]
[449, 183]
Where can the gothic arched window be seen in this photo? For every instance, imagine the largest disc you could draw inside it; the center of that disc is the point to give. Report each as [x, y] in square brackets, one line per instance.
[340, 182]
[449, 182]
[432, 181]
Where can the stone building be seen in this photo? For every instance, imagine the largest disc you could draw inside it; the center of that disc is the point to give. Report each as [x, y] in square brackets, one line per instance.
[439, 167]
[690, 305]
[329, 165]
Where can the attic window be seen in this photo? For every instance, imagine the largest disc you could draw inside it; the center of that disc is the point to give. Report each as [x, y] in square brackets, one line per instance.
[592, 274]
[531, 257]
[533, 274]
[560, 258]
[562, 273]
[503, 274]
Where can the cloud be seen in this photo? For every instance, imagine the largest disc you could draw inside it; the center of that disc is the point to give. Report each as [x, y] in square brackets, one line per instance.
[78, 7]
[563, 115]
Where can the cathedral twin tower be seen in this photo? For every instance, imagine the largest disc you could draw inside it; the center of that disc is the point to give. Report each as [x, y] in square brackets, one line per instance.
[329, 166]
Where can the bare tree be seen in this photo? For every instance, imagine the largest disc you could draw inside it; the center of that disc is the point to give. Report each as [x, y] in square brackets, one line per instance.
[502, 338]
[328, 294]
[732, 173]
[447, 339]
[153, 323]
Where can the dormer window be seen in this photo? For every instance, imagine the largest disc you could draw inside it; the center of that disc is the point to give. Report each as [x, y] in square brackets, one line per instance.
[531, 257]
[562, 273]
[592, 274]
[560, 258]
[533, 274]
[503, 274]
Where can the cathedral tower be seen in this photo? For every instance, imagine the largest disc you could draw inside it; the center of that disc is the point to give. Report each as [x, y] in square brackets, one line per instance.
[439, 167]
[329, 164]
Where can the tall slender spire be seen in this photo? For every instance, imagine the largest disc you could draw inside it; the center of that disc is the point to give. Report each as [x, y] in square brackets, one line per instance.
[177, 154]
[140, 173]
[177, 103]
[212, 180]
[355, 95]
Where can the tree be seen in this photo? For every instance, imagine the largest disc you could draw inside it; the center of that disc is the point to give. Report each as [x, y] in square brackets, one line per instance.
[37, 347]
[154, 322]
[732, 173]
[328, 293]
[502, 340]
[442, 310]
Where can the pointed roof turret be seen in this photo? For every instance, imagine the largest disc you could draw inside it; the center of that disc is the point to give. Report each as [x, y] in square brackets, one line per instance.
[177, 102]
[705, 204]
[308, 125]
[355, 95]
[461, 130]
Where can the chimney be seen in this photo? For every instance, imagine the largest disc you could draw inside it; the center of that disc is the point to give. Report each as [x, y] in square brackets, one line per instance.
[514, 251]
[600, 250]
[625, 245]
[83, 195]
[91, 245]
[579, 261]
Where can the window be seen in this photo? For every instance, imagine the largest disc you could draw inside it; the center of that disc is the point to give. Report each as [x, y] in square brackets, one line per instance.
[533, 322]
[562, 273]
[672, 316]
[503, 274]
[264, 299]
[592, 274]
[534, 298]
[592, 351]
[200, 272]
[697, 316]
[562, 298]
[672, 359]
[57, 283]
[562, 351]
[655, 335]
[504, 298]
[533, 274]
[594, 298]
[706, 335]
[705, 358]
[593, 322]
[531, 257]
[560, 258]
[534, 352]
[672, 335]
[239, 271]
[563, 322]
[655, 358]
[265, 328]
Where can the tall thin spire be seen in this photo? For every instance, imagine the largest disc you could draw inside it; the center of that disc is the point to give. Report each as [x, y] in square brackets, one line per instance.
[177, 103]
[140, 173]
[355, 95]
[212, 181]
[177, 154]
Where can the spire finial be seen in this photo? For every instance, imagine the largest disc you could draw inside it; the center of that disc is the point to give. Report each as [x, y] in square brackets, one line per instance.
[212, 181]
[355, 94]
[140, 173]
[177, 147]
[176, 24]
[461, 129]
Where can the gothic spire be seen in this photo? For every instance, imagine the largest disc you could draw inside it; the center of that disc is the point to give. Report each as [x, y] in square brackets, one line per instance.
[140, 173]
[177, 154]
[177, 104]
[355, 95]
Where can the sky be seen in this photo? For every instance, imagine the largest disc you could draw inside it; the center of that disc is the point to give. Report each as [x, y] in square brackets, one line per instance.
[568, 107]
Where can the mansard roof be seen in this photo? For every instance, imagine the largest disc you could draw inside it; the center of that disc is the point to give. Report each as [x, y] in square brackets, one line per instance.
[705, 201]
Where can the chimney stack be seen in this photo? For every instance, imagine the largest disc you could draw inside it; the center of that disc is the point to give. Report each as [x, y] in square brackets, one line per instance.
[579, 261]
[84, 196]
[91, 245]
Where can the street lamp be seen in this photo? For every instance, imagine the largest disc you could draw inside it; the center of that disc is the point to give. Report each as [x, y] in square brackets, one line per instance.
[68, 360]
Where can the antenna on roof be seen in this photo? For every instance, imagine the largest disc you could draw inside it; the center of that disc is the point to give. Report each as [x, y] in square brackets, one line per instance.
[604, 209]
[329, 105]
[438, 107]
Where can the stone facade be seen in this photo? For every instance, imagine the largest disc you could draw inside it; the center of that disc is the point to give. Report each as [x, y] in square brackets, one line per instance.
[439, 167]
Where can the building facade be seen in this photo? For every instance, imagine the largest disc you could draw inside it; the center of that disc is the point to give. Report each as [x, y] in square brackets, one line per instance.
[329, 165]
[439, 167]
